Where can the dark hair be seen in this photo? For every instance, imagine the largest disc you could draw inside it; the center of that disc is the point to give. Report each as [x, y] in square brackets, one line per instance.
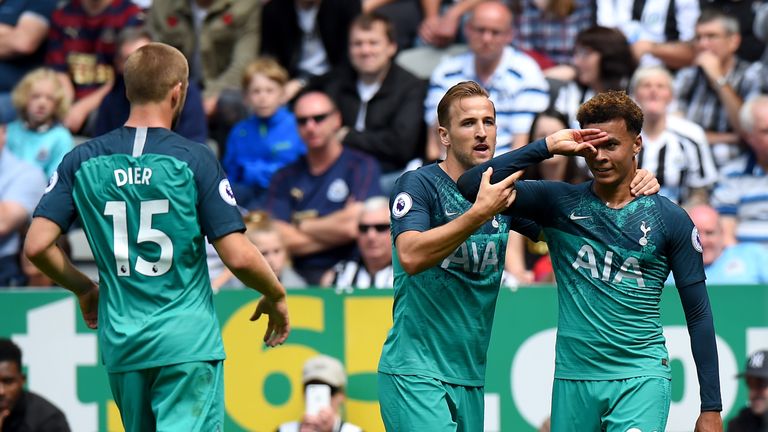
[611, 105]
[617, 64]
[9, 351]
[367, 20]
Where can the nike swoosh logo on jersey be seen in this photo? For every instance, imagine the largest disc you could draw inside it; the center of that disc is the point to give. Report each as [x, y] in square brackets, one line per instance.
[574, 217]
[449, 214]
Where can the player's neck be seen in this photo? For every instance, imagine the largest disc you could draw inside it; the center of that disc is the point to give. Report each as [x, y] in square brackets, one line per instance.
[614, 196]
[452, 168]
[150, 115]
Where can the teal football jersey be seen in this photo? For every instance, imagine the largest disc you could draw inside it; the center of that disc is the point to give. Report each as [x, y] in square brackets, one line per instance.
[610, 266]
[146, 199]
[443, 315]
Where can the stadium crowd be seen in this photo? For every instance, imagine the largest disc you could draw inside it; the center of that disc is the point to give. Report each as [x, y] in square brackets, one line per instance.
[316, 107]
[697, 69]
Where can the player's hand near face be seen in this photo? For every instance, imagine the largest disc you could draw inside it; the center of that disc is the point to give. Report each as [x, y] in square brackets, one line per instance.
[644, 183]
[579, 142]
[89, 306]
[709, 421]
[278, 326]
[495, 198]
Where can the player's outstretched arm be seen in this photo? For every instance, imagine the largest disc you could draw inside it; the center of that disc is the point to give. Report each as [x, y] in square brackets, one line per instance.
[246, 262]
[709, 421]
[41, 249]
[421, 250]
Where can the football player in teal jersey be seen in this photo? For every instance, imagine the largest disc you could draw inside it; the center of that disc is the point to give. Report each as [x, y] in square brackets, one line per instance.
[612, 252]
[448, 258]
[147, 199]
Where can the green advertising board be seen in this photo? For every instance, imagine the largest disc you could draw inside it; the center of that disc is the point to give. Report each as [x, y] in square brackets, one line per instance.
[263, 386]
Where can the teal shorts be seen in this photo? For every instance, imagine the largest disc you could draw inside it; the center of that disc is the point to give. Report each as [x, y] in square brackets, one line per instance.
[636, 404]
[182, 397]
[419, 403]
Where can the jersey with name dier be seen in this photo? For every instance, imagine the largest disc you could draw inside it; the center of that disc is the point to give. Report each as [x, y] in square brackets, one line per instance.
[444, 314]
[610, 266]
[147, 198]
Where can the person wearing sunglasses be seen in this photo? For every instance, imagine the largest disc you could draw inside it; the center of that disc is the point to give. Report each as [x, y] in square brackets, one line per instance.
[316, 200]
[373, 267]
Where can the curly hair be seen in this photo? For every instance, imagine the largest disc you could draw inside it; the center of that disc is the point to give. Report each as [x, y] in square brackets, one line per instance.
[23, 90]
[9, 351]
[611, 105]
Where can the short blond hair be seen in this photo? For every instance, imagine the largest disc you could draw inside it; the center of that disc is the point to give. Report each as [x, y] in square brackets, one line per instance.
[152, 71]
[267, 66]
[22, 91]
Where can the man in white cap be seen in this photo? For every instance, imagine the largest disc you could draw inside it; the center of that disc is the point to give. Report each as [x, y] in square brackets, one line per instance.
[752, 418]
[319, 371]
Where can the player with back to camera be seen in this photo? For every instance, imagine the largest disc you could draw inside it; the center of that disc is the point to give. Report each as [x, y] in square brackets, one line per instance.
[147, 198]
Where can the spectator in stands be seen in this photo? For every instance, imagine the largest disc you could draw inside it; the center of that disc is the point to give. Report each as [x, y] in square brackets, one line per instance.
[754, 417]
[442, 20]
[740, 194]
[711, 92]
[38, 136]
[307, 37]
[514, 81]
[380, 102]
[21, 186]
[115, 108]
[219, 38]
[265, 141]
[741, 263]
[674, 149]
[603, 62]
[24, 26]
[405, 16]
[373, 268]
[659, 31]
[262, 232]
[550, 28]
[22, 410]
[747, 14]
[317, 199]
[81, 45]
[327, 371]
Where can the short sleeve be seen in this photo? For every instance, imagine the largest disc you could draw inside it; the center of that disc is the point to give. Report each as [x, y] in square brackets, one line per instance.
[57, 204]
[410, 204]
[217, 207]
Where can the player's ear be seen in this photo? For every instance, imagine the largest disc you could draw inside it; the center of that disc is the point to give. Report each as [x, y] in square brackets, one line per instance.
[637, 145]
[442, 133]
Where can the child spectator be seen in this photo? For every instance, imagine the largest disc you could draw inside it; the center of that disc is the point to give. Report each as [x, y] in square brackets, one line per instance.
[38, 136]
[262, 233]
[265, 141]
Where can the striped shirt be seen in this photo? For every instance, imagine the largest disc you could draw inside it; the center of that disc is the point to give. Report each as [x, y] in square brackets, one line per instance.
[549, 34]
[517, 88]
[83, 45]
[700, 103]
[569, 99]
[680, 159]
[743, 193]
[353, 274]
